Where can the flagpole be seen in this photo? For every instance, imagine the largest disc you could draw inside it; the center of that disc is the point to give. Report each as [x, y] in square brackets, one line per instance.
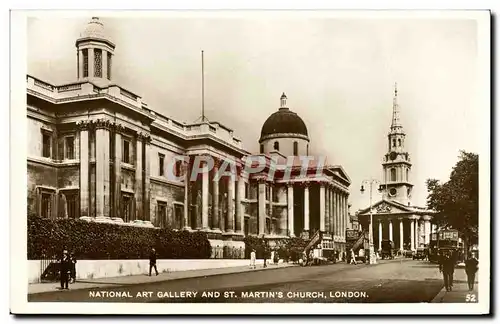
[202, 89]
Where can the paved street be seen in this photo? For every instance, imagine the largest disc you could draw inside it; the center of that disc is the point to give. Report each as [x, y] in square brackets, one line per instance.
[401, 280]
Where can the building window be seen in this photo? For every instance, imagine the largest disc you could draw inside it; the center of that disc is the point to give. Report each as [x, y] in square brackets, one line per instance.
[109, 66]
[393, 174]
[126, 151]
[162, 214]
[394, 143]
[46, 205]
[399, 142]
[295, 148]
[268, 226]
[70, 147]
[178, 168]
[72, 204]
[261, 148]
[46, 145]
[247, 189]
[407, 175]
[247, 226]
[127, 208]
[98, 63]
[277, 146]
[85, 54]
[178, 214]
[161, 164]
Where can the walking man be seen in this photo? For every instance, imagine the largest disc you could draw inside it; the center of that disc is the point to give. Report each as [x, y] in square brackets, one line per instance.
[152, 261]
[447, 266]
[73, 267]
[65, 269]
[471, 267]
[353, 258]
[252, 259]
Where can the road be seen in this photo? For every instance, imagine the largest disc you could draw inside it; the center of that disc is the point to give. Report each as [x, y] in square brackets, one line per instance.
[399, 281]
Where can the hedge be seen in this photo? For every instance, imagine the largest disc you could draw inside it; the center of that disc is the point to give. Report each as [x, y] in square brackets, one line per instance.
[289, 249]
[99, 241]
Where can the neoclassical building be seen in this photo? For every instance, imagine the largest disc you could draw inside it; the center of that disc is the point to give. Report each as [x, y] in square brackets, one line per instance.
[98, 152]
[394, 217]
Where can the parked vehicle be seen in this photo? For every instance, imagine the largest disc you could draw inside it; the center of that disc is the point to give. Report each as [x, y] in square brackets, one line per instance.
[387, 250]
[420, 254]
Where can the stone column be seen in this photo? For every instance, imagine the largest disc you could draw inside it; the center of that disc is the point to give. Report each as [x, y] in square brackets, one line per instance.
[390, 230]
[262, 207]
[118, 170]
[327, 208]
[204, 197]
[187, 195]
[104, 63]
[379, 234]
[421, 231]
[146, 189]
[91, 62]
[230, 204]
[412, 233]
[322, 207]
[84, 168]
[336, 213]
[306, 207]
[290, 210]
[215, 199]
[401, 241]
[240, 191]
[272, 229]
[102, 168]
[332, 212]
[138, 178]
[80, 64]
[427, 229]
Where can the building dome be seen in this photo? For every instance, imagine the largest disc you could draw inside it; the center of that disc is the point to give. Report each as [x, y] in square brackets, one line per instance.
[95, 30]
[284, 121]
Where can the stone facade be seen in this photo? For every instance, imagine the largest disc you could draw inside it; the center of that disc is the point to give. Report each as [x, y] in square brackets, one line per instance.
[96, 150]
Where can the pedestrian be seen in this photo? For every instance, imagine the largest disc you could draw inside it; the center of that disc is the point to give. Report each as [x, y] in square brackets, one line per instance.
[73, 267]
[65, 269]
[152, 261]
[252, 259]
[447, 266]
[471, 267]
[353, 258]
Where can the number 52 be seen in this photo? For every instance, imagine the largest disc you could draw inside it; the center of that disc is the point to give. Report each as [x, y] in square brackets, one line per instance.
[470, 298]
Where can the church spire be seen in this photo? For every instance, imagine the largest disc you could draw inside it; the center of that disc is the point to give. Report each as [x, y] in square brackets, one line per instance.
[395, 109]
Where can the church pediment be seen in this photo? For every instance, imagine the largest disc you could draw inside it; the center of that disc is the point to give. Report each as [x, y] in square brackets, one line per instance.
[385, 207]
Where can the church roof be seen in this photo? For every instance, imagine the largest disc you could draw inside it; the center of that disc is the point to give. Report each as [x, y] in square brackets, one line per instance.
[386, 206]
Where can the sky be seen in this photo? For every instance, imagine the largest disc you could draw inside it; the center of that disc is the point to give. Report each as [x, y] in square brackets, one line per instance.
[338, 74]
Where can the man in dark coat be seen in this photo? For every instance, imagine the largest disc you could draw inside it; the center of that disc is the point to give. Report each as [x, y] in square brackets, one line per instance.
[447, 267]
[152, 261]
[73, 267]
[65, 269]
[471, 269]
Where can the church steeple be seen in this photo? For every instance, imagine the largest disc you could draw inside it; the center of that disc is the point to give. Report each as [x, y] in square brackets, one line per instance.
[397, 165]
[396, 124]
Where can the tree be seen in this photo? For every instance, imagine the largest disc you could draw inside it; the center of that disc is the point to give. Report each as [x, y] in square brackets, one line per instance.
[456, 201]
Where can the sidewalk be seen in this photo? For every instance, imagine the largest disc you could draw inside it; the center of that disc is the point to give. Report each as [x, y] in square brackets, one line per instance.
[139, 279]
[460, 292]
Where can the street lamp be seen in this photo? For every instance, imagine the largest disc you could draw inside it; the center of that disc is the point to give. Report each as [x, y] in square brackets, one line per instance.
[371, 182]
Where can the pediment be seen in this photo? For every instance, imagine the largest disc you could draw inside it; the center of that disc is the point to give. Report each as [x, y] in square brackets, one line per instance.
[385, 207]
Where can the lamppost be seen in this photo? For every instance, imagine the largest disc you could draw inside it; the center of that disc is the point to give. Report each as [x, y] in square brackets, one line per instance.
[371, 182]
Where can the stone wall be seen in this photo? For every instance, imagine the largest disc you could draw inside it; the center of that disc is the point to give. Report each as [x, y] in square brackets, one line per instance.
[94, 269]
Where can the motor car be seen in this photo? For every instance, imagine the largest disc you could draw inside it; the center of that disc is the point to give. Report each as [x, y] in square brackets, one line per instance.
[419, 254]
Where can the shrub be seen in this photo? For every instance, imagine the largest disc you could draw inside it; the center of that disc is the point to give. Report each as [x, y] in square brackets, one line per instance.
[98, 241]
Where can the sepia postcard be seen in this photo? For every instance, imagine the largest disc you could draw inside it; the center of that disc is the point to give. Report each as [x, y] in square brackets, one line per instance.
[282, 162]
